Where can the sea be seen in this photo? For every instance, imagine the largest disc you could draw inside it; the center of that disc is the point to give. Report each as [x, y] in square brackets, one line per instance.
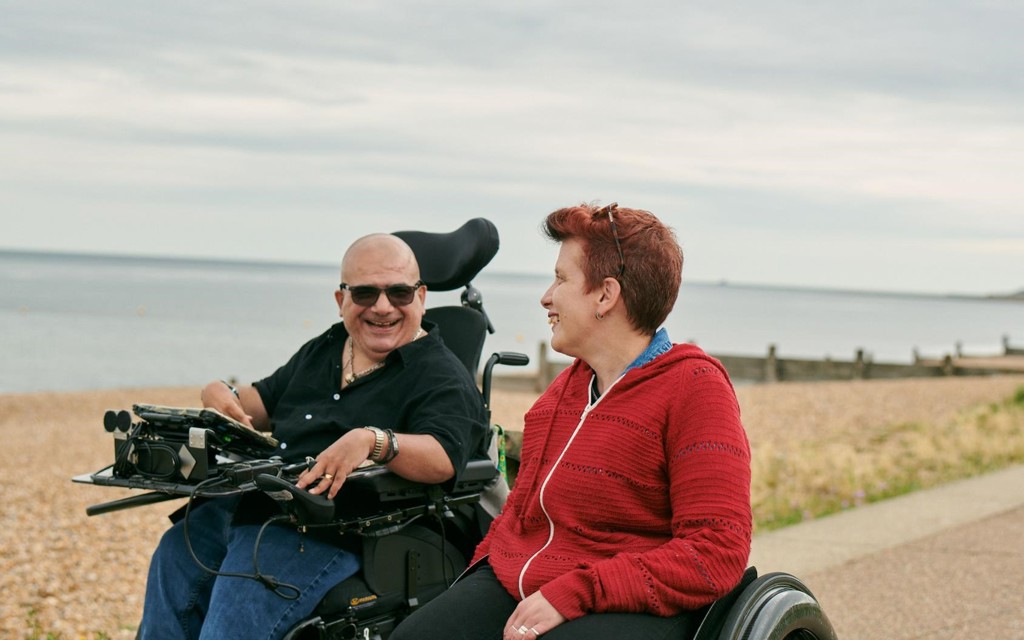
[83, 322]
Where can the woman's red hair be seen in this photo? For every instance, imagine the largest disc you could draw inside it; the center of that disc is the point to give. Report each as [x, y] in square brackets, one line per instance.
[652, 260]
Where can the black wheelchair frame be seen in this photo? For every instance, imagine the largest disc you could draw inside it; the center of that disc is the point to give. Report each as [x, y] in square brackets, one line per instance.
[416, 539]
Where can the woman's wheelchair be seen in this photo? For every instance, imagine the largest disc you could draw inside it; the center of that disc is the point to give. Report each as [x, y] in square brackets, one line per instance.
[415, 538]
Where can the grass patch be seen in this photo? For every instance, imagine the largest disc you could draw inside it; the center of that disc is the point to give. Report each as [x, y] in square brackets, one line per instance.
[815, 478]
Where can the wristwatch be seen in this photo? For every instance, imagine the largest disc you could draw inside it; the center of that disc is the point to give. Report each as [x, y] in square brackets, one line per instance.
[378, 444]
[231, 387]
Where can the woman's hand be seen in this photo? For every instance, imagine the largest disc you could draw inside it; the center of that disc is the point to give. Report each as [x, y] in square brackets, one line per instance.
[532, 618]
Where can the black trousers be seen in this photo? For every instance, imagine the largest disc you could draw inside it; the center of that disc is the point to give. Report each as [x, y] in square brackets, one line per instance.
[477, 607]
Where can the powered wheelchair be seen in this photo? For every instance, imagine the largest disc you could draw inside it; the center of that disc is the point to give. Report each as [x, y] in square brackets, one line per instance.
[416, 539]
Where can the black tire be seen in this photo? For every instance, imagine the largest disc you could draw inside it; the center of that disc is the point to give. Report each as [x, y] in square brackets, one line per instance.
[777, 606]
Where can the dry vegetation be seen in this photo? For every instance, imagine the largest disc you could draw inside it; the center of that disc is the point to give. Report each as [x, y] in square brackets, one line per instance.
[863, 442]
[817, 447]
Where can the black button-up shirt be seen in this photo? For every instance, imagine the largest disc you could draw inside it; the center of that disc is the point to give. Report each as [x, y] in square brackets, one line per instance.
[422, 389]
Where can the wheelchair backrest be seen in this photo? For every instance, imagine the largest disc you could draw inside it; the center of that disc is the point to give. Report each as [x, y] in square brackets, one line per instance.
[463, 331]
[449, 261]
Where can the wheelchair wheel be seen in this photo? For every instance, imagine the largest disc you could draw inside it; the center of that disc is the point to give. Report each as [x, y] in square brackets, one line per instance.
[777, 606]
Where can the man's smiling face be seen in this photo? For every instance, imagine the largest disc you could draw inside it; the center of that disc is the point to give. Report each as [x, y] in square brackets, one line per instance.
[381, 327]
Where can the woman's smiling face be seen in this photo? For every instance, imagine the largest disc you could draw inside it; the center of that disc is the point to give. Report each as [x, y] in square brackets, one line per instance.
[570, 307]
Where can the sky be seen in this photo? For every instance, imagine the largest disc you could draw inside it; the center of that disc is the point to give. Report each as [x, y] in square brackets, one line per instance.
[855, 145]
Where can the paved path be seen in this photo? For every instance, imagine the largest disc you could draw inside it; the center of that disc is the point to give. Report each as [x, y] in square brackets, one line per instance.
[942, 563]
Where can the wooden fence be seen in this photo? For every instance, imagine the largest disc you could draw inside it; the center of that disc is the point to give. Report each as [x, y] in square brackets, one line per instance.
[772, 368]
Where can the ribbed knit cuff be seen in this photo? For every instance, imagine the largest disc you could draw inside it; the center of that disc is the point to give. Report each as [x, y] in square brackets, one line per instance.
[572, 594]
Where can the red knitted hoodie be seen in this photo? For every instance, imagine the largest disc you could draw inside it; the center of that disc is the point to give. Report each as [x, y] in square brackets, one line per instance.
[648, 507]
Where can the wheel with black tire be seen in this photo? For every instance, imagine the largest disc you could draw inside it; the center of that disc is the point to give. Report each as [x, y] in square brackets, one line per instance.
[777, 606]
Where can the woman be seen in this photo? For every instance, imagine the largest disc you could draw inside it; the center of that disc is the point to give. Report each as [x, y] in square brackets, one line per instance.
[632, 504]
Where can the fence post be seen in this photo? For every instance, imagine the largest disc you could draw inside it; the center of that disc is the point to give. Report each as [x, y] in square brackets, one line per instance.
[859, 367]
[947, 365]
[771, 365]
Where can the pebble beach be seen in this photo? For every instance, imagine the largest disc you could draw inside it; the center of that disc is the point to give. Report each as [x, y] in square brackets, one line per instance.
[66, 575]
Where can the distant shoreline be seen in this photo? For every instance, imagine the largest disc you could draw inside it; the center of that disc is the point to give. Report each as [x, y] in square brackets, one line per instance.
[256, 263]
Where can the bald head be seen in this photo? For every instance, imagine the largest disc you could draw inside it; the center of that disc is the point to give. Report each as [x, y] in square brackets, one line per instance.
[380, 261]
[379, 251]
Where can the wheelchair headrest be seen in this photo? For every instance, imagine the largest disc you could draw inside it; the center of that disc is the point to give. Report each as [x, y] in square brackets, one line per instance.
[451, 260]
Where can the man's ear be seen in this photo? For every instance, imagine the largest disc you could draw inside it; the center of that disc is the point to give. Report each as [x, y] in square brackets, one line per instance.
[339, 297]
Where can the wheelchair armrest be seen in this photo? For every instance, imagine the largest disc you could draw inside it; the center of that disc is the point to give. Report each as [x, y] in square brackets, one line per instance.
[372, 491]
[477, 476]
[380, 484]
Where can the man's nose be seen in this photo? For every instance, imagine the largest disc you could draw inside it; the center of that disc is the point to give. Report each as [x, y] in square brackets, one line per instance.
[382, 303]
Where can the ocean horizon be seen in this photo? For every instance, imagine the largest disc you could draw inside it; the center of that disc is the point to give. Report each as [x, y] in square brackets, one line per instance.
[223, 262]
[72, 321]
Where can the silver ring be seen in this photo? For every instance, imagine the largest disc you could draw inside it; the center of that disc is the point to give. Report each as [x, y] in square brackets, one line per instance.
[534, 631]
[522, 630]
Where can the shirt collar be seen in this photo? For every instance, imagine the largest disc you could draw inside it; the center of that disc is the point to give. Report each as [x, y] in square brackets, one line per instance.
[660, 344]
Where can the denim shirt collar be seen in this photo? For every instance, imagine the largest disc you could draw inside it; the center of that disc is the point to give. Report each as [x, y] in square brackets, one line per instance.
[660, 344]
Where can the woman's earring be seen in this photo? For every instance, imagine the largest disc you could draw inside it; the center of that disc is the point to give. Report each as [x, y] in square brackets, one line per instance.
[597, 314]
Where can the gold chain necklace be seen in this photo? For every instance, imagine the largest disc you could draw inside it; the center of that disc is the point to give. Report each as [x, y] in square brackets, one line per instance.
[353, 375]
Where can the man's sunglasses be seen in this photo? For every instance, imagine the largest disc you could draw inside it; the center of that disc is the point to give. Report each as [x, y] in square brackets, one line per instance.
[399, 295]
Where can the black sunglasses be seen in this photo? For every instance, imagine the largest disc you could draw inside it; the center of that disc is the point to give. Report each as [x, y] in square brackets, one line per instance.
[399, 295]
[615, 234]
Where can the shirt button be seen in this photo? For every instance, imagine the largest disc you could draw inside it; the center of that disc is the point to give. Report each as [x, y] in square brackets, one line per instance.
[309, 416]
[337, 396]
[284, 445]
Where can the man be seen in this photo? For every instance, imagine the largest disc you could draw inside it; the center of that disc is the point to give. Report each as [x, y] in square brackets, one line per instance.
[378, 386]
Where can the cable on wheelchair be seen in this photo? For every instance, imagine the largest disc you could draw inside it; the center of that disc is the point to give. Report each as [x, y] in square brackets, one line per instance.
[123, 466]
[282, 590]
[444, 547]
[278, 588]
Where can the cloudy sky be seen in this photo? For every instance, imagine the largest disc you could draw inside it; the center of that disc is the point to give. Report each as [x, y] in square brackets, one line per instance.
[865, 145]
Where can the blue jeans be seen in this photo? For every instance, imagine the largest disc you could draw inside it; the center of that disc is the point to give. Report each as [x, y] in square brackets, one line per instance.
[185, 602]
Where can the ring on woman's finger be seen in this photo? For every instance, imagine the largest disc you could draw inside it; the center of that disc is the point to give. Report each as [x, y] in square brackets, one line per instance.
[522, 630]
[328, 476]
[533, 631]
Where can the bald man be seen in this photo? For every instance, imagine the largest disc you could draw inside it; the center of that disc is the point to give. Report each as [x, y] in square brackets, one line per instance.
[379, 386]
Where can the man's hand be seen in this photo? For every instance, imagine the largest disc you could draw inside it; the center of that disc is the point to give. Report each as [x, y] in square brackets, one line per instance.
[337, 461]
[217, 395]
[533, 617]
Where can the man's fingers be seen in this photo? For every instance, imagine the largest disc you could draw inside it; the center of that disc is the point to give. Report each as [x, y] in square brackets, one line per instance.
[330, 483]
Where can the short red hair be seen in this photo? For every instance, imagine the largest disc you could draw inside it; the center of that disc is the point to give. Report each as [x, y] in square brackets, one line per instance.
[652, 260]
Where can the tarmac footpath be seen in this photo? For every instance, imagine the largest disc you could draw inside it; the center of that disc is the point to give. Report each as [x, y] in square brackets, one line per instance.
[946, 562]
